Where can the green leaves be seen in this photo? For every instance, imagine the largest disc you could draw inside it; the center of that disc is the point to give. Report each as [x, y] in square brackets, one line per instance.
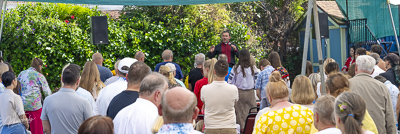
[60, 34]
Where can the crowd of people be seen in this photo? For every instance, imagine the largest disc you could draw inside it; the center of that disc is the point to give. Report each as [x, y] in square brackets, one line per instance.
[361, 98]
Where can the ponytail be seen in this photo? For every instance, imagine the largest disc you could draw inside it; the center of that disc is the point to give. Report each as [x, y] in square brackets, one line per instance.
[350, 109]
[275, 76]
[166, 71]
[351, 125]
[210, 63]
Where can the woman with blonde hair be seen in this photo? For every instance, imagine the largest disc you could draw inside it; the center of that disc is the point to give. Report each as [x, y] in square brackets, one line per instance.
[282, 116]
[303, 92]
[208, 72]
[91, 79]
[166, 71]
[315, 78]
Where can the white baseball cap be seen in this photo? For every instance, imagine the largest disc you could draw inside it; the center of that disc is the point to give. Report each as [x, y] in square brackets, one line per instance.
[125, 62]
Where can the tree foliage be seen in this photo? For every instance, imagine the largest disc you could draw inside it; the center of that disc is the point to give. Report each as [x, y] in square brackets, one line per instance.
[186, 30]
[273, 23]
[59, 34]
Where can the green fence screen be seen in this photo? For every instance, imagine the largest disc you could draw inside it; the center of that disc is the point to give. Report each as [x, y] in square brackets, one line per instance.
[375, 11]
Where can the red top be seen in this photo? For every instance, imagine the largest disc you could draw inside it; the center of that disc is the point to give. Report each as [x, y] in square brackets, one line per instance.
[226, 49]
[349, 61]
[197, 91]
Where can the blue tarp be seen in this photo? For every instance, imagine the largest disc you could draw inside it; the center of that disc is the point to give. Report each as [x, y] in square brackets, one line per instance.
[139, 2]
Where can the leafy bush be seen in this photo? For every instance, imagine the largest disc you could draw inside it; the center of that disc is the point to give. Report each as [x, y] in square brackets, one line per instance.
[59, 34]
[56, 33]
[186, 30]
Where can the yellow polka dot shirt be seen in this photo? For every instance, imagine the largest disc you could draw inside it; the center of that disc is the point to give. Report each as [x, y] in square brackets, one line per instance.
[291, 120]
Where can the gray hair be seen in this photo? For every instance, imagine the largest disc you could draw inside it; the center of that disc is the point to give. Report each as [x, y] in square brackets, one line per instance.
[151, 83]
[314, 78]
[223, 57]
[167, 54]
[365, 63]
[376, 57]
[324, 107]
[199, 58]
[183, 114]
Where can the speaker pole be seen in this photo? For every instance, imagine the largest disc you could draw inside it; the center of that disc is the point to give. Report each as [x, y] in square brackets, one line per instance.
[99, 46]
[326, 47]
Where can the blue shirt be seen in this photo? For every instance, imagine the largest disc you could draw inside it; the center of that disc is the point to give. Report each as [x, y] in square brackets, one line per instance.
[229, 72]
[88, 96]
[105, 73]
[180, 82]
[262, 80]
[179, 74]
[178, 128]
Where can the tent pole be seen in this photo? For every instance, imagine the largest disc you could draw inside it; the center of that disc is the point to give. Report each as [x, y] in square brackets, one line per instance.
[2, 16]
[307, 37]
[318, 39]
[394, 28]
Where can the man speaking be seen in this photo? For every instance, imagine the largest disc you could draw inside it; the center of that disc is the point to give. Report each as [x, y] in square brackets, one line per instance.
[227, 48]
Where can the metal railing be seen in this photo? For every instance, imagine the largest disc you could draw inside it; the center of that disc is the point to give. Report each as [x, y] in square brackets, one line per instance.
[360, 33]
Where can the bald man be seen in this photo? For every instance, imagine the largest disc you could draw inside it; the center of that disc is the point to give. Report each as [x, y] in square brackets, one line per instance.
[178, 108]
[105, 73]
[139, 56]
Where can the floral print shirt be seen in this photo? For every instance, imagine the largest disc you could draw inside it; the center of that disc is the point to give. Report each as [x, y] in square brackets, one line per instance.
[32, 82]
[178, 128]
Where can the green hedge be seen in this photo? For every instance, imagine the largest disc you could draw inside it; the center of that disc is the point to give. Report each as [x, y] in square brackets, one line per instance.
[59, 34]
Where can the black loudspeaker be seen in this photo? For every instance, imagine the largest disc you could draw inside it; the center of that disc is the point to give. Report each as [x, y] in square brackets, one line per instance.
[99, 30]
[323, 25]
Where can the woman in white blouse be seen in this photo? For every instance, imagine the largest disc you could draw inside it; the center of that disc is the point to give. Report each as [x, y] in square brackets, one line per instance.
[243, 77]
[12, 110]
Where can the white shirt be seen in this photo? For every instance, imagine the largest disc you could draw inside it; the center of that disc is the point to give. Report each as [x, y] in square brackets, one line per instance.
[88, 96]
[137, 118]
[377, 71]
[111, 80]
[108, 93]
[319, 94]
[330, 131]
